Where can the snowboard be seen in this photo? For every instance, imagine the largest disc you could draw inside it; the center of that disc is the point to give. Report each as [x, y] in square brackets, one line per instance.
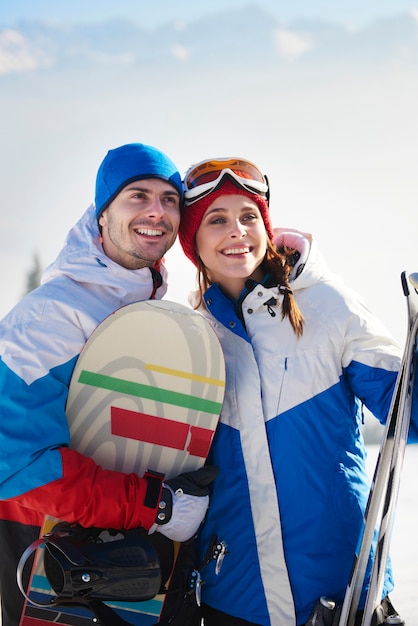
[145, 395]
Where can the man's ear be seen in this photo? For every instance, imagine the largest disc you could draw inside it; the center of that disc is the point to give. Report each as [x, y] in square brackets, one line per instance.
[102, 218]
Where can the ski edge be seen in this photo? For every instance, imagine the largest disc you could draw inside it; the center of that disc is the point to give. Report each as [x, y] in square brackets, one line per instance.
[387, 455]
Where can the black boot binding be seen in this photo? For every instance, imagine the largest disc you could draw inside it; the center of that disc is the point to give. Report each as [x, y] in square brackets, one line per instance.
[86, 567]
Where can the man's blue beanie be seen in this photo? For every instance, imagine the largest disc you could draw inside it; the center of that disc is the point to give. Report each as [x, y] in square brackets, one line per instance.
[134, 161]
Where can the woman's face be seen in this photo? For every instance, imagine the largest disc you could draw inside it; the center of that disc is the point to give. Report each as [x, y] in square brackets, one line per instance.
[231, 242]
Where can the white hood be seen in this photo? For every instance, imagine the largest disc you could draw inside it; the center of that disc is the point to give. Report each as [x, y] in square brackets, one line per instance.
[83, 253]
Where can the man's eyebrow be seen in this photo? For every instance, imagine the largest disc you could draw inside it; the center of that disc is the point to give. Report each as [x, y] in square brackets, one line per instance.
[171, 192]
[135, 188]
[166, 192]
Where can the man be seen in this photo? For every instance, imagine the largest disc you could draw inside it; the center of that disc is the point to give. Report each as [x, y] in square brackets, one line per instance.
[112, 257]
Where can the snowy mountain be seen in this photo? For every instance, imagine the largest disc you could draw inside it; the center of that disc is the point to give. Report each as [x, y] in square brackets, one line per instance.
[247, 36]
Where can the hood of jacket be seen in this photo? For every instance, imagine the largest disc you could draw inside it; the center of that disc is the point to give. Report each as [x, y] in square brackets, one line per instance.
[82, 255]
[311, 267]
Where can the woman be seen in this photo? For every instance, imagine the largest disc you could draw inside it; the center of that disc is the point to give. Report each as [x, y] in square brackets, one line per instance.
[302, 354]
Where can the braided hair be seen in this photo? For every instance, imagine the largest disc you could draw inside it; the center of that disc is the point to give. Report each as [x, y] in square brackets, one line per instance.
[278, 263]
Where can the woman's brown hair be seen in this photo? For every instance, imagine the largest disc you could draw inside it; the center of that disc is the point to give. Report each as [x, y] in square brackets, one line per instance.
[278, 264]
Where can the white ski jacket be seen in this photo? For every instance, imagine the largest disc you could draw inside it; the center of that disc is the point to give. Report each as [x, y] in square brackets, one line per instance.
[292, 487]
[40, 340]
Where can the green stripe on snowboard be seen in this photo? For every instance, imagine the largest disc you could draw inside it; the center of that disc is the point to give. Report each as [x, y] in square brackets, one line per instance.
[150, 393]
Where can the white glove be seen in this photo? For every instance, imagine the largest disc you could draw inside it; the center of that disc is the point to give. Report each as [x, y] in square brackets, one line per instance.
[184, 503]
[187, 514]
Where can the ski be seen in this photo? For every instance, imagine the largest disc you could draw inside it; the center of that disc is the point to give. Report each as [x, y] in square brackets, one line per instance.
[381, 504]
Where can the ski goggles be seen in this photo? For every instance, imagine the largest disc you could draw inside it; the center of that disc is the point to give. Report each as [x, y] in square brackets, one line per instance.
[204, 177]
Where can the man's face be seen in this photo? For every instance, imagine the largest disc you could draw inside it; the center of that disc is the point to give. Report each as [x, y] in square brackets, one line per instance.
[141, 223]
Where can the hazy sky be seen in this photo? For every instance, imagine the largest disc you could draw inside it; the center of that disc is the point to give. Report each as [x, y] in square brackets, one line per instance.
[155, 12]
[339, 146]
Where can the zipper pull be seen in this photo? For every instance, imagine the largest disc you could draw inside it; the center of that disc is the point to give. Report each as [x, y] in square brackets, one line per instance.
[269, 304]
[215, 552]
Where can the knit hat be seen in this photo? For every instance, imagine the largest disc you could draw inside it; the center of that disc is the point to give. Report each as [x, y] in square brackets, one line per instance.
[133, 161]
[192, 214]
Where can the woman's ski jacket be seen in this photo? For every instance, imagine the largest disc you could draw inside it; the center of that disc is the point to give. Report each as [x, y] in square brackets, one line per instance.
[40, 340]
[292, 488]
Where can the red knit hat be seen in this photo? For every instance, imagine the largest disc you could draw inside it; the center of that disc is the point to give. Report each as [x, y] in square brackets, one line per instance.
[192, 215]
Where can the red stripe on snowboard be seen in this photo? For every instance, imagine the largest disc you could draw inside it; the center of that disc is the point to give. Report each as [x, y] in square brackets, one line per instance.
[160, 431]
[35, 621]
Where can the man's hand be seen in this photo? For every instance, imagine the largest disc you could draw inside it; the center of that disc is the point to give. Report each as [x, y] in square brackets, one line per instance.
[184, 502]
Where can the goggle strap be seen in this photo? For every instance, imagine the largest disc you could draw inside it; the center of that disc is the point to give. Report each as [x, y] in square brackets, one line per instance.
[268, 189]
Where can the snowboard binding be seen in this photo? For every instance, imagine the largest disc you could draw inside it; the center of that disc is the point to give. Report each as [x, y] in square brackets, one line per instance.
[90, 564]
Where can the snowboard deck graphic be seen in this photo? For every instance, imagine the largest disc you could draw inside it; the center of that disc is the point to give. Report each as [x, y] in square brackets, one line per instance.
[145, 394]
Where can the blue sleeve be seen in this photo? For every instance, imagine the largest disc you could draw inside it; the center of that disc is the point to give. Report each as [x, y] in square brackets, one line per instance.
[375, 387]
[33, 426]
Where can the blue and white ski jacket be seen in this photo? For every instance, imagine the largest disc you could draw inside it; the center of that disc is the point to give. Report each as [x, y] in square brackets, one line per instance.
[40, 340]
[292, 487]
